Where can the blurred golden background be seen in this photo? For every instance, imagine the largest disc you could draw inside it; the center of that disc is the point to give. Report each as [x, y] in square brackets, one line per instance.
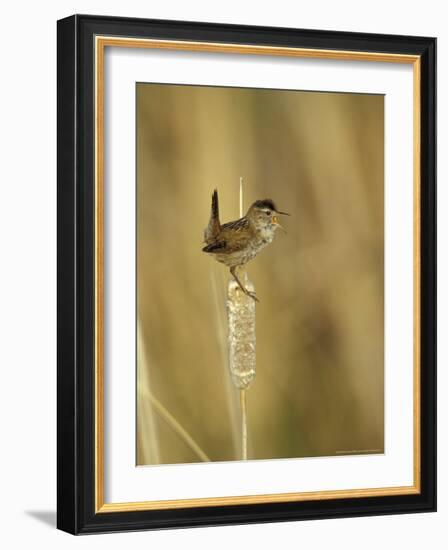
[319, 385]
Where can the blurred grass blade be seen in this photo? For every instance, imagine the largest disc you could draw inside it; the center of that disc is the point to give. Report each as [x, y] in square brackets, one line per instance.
[176, 426]
[148, 451]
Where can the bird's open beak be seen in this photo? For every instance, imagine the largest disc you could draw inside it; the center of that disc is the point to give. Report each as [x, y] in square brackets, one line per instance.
[283, 213]
[275, 222]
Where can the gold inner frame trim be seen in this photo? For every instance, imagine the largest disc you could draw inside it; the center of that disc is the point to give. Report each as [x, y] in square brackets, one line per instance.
[101, 42]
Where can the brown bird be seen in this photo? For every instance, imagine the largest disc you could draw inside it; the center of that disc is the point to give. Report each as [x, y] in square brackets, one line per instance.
[236, 243]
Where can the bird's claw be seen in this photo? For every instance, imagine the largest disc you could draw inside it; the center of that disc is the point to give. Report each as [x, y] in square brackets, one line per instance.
[252, 295]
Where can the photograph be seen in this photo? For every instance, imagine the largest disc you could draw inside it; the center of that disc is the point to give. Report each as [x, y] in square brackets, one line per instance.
[259, 274]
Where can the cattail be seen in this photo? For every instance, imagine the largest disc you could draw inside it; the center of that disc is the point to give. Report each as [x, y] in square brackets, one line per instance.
[241, 335]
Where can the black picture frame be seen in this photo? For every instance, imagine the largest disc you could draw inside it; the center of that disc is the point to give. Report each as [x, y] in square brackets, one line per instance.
[76, 286]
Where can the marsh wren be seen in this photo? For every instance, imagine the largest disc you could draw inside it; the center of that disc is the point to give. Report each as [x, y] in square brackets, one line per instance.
[236, 243]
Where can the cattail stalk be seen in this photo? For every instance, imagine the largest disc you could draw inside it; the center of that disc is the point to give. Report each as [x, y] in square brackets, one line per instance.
[241, 339]
[243, 424]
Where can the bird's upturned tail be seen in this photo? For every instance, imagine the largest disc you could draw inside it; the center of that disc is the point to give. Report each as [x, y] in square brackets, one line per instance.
[215, 206]
[214, 226]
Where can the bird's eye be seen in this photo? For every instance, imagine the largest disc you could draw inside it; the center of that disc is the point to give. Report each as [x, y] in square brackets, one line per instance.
[268, 212]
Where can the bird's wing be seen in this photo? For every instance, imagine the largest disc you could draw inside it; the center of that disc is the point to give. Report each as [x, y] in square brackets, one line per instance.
[233, 237]
[238, 225]
[215, 248]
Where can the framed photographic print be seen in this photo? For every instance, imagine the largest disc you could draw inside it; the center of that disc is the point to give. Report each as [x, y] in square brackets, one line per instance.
[246, 274]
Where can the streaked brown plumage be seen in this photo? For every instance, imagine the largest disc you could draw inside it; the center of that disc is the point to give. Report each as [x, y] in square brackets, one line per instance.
[236, 243]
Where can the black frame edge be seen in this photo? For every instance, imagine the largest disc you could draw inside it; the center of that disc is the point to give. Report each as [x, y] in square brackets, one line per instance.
[67, 489]
[428, 325]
